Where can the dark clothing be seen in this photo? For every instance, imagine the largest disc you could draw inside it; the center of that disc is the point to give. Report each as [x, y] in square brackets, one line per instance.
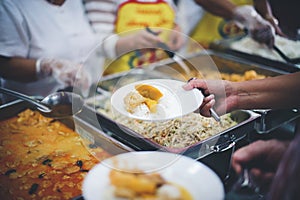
[288, 14]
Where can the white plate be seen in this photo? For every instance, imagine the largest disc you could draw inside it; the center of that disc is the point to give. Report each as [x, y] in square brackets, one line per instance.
[175, 102]
[200, 181]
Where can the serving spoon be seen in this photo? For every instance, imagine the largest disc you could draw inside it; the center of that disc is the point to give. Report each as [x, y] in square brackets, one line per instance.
[55, 105]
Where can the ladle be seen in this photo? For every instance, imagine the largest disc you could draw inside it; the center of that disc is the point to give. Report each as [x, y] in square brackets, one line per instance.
[55, 105]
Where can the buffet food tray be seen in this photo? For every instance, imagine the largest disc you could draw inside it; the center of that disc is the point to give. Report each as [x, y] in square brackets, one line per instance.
[78, 123]
[62, 162]
[109, 82]
[224, 46]
[211, 64]
[245, 122]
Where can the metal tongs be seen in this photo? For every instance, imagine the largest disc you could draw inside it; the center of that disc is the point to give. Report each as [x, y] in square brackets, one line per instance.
[246, 185]
[171, 54]
[285, 57]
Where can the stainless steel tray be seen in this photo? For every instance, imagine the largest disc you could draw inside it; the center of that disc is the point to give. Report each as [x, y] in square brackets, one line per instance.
[107, 83]
[210, 63]
[224, 47]
[94, 135]
[219, 142]
[271, 120]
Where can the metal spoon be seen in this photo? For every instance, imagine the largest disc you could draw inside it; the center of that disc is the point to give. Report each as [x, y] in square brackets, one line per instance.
[55, 105]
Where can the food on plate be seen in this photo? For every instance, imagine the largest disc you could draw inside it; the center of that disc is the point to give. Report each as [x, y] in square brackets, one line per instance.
[132, 100]
[139, 185]
[247, 45]
[144, 95]
[42, 158]
[149, 91]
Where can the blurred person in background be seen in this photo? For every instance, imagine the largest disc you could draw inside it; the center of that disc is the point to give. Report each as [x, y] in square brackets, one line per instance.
[230, 18]
[286, 14]
[121, 24]
[43, 45]
[273, 163]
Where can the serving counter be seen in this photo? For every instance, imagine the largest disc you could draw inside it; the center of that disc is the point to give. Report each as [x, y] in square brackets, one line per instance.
[100, 129]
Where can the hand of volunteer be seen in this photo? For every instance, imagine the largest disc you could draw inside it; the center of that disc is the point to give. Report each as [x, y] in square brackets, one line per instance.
[143, 39]
[176, 40]
[262, 158]
[65, 72]
[137, 41]
[218, 94]
[260, 29]
[286, 181]
[274, 22]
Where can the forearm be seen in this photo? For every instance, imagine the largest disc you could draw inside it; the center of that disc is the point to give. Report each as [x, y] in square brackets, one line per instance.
[18, 69]
[263, 8]
[221, 8]
[274, 93]
[124, 45]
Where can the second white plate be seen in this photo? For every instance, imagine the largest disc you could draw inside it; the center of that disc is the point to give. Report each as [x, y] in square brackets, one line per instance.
[199, 180]
[175, 102]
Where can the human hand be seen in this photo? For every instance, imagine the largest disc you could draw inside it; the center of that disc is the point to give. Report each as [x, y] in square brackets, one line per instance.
[260, 29]
[143, 39]
[175, 41]
[218, 94]
[275, 23]
[65, 72]
[262, 158]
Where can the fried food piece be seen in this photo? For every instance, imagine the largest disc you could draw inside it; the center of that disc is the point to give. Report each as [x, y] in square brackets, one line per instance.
[146, 94]
[151, 104]
[149, 91]
[133, 184]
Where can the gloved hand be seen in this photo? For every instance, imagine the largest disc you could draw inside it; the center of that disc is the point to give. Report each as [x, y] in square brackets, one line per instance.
[144, 39]
[260, 29]
[175, 40]
[65, 72]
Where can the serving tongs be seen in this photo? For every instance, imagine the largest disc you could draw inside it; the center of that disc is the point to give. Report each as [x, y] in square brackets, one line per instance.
[55, 105]
[246, 185]
[285, 57]
[171, 54]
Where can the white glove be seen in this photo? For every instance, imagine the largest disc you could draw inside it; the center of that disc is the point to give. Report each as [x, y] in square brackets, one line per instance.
[65, 72]
[259, 29]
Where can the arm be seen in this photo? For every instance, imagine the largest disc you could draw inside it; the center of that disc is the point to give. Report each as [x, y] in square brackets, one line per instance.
[223, 8]
[274, 92]
[245, 16]
[264, 9]
[64, 71]
[134, 40]
[14, 45]
[262, 158]
[17, 68]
